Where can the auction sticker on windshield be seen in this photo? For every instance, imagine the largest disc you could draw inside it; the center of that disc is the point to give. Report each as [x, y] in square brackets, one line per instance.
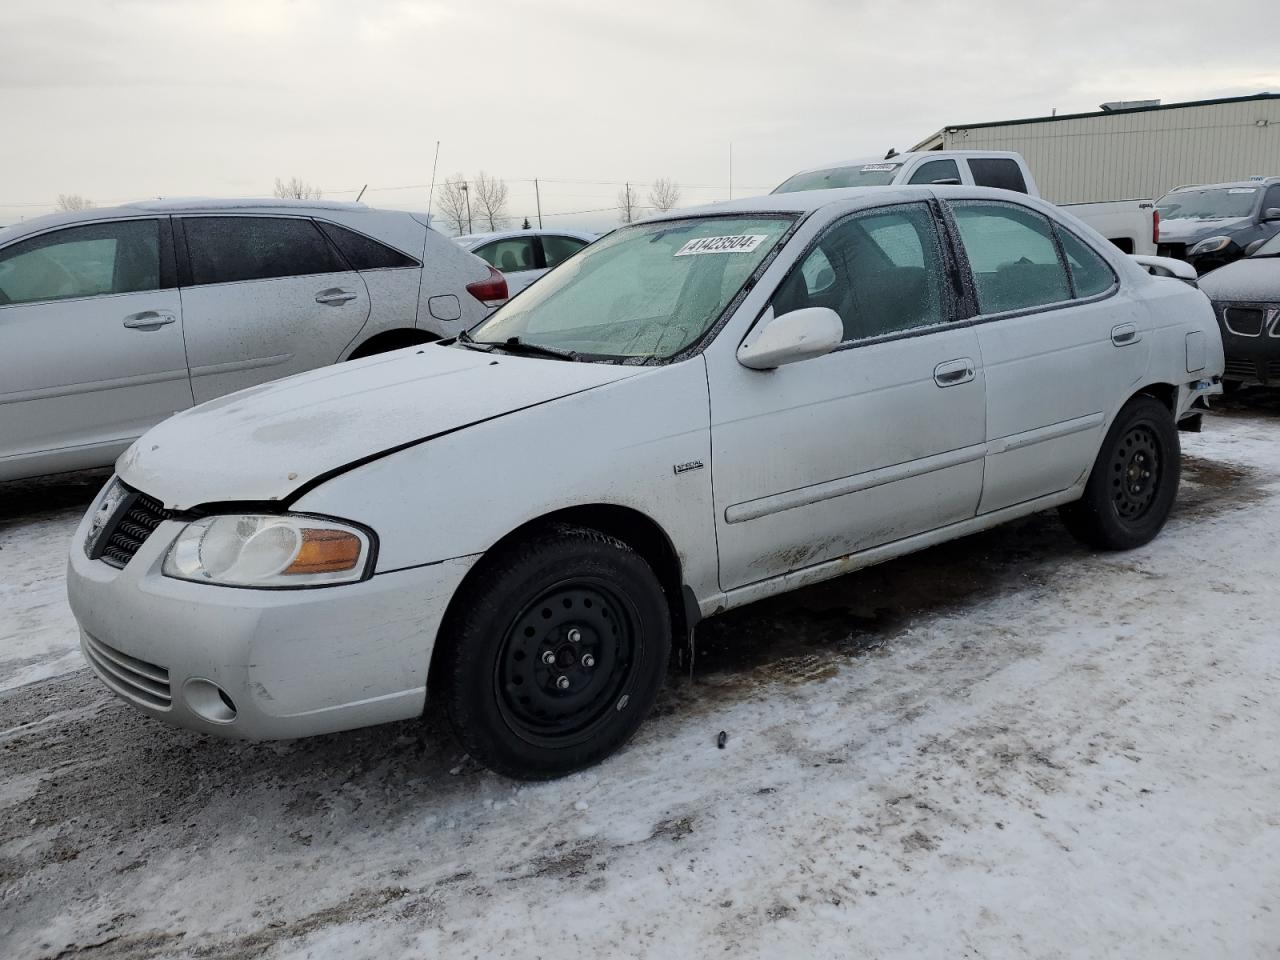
[877, 167]
[744, 243]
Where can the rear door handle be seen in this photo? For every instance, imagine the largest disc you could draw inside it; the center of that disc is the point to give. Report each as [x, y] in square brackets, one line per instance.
[950, 373]
[335, 296]
[148, 320]
[1123, 334]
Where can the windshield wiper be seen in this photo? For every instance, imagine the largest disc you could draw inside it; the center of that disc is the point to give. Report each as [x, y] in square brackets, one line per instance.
[466, 340]
[516, 345]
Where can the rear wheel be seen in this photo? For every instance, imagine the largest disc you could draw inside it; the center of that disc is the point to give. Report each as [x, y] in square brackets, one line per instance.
[555, 653]
[1134, 480]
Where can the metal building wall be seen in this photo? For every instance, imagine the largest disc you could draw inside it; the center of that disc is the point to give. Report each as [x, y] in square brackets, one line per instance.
[1138, 154]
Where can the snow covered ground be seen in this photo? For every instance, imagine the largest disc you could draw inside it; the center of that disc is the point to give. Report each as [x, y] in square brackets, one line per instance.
[1004, 747]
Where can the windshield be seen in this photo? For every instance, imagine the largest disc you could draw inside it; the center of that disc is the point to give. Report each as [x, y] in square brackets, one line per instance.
[1269, 249]
[855, 175]
[1219, 203]
[645, 291]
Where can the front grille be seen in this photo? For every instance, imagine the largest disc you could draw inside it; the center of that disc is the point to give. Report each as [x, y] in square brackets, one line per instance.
[128, 676]
[1272, 372]
[136, 519]
[1178, 251]
[1240, 370]
[1243, 321]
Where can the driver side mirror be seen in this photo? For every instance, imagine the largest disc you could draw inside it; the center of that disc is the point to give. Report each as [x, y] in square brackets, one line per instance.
[1271, 213]
[1253, 247]
[798, 335]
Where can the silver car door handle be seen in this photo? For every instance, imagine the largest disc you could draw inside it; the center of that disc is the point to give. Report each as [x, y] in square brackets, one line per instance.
[148, 320]
[949, 373]
[1124, 333]
[335, 296]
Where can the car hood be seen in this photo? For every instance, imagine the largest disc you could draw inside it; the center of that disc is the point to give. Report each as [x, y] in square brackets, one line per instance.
[1253, 279]
[268, 442]
[1189, 231]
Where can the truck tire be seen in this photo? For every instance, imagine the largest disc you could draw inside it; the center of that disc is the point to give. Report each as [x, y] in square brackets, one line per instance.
[555, 653]
[1133, 482]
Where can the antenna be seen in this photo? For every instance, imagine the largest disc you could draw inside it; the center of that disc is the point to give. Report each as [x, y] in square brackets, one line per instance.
[432, 193]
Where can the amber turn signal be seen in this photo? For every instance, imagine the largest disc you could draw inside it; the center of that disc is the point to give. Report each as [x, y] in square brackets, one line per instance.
[325, 551]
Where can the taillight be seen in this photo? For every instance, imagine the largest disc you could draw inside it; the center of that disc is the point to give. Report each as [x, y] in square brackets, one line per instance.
[491, 291]
[1155, 227]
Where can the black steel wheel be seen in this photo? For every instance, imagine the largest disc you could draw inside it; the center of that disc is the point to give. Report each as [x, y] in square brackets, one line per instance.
[1134, 480]
[553, 652]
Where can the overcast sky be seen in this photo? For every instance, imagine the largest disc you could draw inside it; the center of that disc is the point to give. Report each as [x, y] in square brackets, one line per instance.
[140, 98]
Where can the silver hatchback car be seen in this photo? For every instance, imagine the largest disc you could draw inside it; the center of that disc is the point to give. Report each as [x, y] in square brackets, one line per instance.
[113, 319]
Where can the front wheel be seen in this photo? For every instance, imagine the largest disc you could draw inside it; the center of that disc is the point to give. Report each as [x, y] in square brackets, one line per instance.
[555, 653]
[1134, 480]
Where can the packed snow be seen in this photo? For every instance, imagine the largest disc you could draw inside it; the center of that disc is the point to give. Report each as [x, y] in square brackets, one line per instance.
[1007, 746]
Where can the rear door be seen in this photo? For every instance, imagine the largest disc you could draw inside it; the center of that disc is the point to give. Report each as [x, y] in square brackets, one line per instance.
[264, 297]
[1063, 346]
[91, 351]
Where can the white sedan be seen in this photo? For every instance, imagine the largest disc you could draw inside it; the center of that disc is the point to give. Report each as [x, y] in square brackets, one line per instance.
[525, 255]
[696, 412]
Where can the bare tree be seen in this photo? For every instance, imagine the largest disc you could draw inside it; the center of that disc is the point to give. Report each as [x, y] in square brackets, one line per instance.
[628, 204]
[295, 188]
[664, 194]
[453, 202]
[73, 201]
[491, 199]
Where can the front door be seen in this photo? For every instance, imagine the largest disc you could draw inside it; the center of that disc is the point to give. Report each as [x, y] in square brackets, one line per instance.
[264, 298]
[877, 441]
[1063, 346]
[91, 351]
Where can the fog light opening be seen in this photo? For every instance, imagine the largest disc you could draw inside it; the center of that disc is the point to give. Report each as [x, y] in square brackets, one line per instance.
[208, 701]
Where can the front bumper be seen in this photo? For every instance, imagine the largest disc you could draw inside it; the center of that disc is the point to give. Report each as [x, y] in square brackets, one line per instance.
[292, 662]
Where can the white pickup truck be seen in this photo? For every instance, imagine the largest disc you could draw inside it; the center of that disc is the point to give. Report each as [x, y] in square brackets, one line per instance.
[1132, 225]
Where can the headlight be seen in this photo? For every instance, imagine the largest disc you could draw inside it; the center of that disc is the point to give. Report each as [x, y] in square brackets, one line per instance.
[269, 551]
[1209, 245]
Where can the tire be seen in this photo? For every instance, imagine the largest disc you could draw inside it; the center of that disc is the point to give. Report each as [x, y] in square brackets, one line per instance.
[1142, 448]
[596, 608]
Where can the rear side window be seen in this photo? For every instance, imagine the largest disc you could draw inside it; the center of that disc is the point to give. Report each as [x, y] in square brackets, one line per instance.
[557, 249]
[510, 256]
[997, 172]
[1012, 255]
[230, 249]
[936, 170]
[364, 253]
[1090, 274]
[882, 272]
[88, 261]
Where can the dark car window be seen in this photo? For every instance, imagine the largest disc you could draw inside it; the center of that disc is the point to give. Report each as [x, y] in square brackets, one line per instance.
[1089, 272]
[557, 248]
[510, 256]
[85, 261]
[227, 249]
[999, 172]
[882, 272]
[364, 253]
[1012, 255]
[936, 170]
[1272, 200]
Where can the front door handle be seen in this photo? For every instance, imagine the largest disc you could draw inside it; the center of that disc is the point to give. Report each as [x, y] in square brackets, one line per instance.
[335, 296]
[148, 320]
[950, 373]
[1123, 334]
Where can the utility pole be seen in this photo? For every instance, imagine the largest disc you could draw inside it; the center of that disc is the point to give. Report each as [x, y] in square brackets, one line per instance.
[538, 195]
[467, 193]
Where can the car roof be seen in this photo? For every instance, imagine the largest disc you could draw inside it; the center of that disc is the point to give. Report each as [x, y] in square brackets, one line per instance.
[1262, 182]
[900, 158]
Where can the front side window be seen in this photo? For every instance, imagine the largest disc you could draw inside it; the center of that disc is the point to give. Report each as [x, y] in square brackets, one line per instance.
[646, 291]
[557, 249]
[882, 272]
[86, 261]
[1012, 256]
[998, 172]
[936, 170]
[231, 249]
[509, 256]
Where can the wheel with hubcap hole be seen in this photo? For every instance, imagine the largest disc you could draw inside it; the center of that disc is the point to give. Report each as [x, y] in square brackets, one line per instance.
[1134, 480]
[554, 652]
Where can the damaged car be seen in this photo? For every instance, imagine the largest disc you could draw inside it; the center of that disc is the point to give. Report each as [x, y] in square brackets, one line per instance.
[696, 412]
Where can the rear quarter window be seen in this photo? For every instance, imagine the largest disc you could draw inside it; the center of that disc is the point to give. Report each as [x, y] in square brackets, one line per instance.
[364, 253]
